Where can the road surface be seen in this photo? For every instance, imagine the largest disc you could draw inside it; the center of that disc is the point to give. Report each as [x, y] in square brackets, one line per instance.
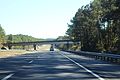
[56, 65]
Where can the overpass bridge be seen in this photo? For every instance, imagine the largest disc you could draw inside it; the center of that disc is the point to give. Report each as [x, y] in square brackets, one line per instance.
[35, 43]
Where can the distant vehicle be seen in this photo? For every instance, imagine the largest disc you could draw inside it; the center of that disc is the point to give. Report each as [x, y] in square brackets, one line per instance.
[52, 48]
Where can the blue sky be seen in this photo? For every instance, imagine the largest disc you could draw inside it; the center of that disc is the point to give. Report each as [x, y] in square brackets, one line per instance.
[38, 18]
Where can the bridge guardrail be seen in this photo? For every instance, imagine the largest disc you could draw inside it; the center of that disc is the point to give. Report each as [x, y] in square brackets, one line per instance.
[99, 56]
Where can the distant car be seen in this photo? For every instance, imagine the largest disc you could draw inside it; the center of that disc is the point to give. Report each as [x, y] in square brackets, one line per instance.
[51, 48]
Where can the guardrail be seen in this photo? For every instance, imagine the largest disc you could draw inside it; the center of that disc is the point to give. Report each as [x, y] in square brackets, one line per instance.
[99, 56]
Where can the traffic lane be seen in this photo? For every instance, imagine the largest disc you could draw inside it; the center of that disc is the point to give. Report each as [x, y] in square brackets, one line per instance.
[46, 66]
[104, 69]
[9, 66]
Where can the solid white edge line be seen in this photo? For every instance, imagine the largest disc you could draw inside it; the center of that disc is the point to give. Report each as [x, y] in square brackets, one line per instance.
[7, 77]
[100, 78]
[30, 61]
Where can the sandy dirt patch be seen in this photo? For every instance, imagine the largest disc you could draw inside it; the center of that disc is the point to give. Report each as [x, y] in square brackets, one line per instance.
[11, 53]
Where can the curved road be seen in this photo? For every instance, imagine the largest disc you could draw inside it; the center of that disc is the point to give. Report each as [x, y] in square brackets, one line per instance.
[56, 65]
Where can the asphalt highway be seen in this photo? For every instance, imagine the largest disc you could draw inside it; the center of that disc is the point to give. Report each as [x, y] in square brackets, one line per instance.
[56, 65]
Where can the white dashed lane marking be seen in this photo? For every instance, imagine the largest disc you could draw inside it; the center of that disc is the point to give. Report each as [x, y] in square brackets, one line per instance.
[7, 77]
[30, 61]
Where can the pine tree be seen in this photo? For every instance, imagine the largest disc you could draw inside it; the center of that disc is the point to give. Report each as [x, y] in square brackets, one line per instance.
[2, 36]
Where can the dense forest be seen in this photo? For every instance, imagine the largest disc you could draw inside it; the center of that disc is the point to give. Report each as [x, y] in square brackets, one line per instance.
[15, 38]
[97, 26]
[20, 38]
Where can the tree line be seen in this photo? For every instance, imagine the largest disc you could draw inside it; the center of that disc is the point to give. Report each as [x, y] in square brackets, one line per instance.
[14, 38]
[20, 38]
[97, 26]
[2, 36]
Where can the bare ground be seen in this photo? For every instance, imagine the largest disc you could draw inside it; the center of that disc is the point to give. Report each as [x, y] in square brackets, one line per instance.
[10, 53]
